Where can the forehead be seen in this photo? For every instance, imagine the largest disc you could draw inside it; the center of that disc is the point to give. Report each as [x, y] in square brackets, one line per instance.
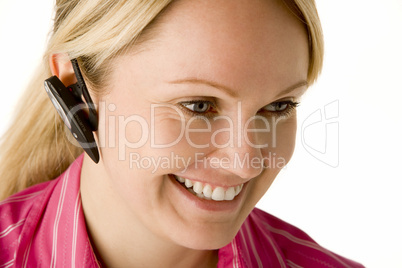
[238, 43]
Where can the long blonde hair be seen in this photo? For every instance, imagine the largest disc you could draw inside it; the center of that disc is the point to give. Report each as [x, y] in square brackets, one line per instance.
[36, 148]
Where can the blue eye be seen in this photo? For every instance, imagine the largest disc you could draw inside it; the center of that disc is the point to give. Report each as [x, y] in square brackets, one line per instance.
[198, 107]
[277, 106]
[281, 107]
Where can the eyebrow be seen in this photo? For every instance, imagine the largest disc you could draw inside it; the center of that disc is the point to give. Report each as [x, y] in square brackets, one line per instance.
[291, 88]
[231, 92]
[225, 89]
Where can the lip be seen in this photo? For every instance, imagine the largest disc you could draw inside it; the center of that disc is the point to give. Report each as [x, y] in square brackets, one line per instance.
[203, 204]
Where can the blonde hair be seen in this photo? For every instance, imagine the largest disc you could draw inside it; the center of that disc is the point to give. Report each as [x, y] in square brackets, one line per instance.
[36, 148]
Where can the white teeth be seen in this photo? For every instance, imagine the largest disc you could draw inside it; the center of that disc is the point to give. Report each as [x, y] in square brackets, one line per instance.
[188, 183]
[230, 193]
[198, 188]
[237, 190]
[206, 192]
[218, 194]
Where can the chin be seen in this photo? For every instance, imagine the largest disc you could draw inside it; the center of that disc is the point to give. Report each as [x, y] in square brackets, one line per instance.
[209, 240]
[209, 235]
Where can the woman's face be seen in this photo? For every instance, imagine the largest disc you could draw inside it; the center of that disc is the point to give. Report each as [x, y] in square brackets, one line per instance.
[209, 99]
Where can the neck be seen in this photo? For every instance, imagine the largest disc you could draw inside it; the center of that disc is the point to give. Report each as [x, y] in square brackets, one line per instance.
[118, 236]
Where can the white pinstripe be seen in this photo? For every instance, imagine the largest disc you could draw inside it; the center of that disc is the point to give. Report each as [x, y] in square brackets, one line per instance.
[7, 264]
[10, 265]
[75, 227]
[253, 245]
[10, 228]
[303, 242]
[276, 252]
[235, 254]
[293, 265]
[20, 198]
[26, 254]
[58, 216]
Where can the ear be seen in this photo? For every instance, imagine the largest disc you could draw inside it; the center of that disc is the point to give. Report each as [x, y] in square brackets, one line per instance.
[61, 66]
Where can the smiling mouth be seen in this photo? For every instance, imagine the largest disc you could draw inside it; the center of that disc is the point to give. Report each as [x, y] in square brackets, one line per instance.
[205, 191]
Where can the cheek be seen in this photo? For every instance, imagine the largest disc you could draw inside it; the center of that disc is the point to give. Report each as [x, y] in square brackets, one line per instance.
[146, 142]
[176, 135]
[122, 133]
[277, 155]
[166, 128]
[283, 135]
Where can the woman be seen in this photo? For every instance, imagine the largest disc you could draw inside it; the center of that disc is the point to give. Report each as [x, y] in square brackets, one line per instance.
[195, 116]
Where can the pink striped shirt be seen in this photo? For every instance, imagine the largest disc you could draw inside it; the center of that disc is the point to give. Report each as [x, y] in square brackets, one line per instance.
[44, 226]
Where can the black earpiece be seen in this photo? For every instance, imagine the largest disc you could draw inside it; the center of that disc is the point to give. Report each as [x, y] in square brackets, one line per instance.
[79, 116]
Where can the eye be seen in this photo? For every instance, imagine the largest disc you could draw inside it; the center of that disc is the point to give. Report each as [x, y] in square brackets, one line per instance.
[198, 107]
[280, 106]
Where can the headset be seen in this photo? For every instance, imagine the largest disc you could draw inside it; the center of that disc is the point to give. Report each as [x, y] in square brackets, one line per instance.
[80, 117]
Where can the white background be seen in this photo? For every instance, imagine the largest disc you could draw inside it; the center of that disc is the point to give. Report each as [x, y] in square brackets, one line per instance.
[353, 209]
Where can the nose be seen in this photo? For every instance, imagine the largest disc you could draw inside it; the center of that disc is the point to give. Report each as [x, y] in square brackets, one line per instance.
[246, 154]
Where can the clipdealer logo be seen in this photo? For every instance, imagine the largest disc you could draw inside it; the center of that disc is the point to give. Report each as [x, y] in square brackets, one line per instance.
[319, 134]
[118, 124]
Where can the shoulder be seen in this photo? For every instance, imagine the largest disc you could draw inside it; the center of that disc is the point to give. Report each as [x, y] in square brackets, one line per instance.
[14, 217]
[37, 225]
[22, 214]
[265, 235]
